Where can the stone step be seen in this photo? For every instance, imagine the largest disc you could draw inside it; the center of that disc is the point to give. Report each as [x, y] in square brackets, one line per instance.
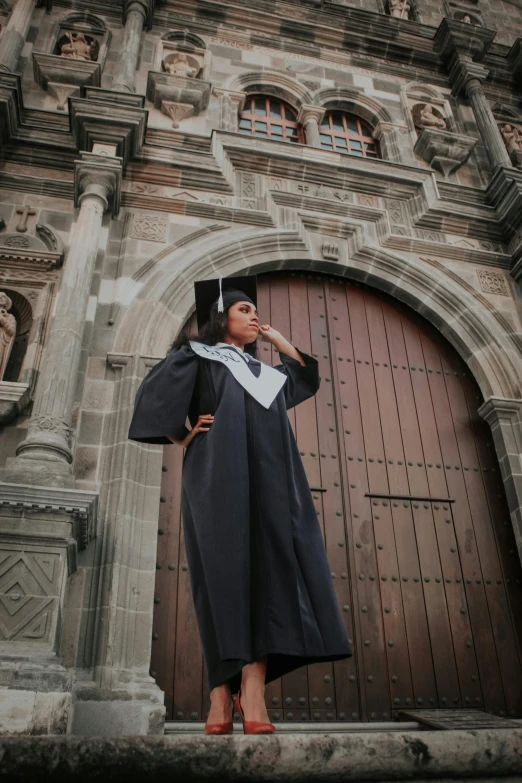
[176, 727]
[491, 755]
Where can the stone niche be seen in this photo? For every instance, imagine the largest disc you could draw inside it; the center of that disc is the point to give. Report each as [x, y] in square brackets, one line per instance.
[76, 56]
[509, 121]
[431, 123]
[29, 272]
[177, 85]
[467, 13]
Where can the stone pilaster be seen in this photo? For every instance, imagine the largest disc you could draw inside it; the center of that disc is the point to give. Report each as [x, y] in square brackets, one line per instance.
[15, 33]
[124, 695]
[504, 416]
[310, 117]
[231, 105]
[393, 147]
[136, 14]
[45, 456]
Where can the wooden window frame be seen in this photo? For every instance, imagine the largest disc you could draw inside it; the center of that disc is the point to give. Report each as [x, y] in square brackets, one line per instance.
[248, 115]
[350, 138]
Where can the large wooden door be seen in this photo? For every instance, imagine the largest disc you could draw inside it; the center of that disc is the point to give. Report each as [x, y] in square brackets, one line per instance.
[411, 504]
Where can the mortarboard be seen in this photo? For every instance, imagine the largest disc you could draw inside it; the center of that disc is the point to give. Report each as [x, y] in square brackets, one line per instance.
[227, 290]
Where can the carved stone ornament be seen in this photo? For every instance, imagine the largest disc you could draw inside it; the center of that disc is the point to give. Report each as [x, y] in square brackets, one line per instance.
[177, 111]
[425, 115]
[162, 87]
[512, 136]
[443, 151]
[182, 64]
[78, 46]
[152, 228]
[492, 282]
[400, 9]
[7, 331]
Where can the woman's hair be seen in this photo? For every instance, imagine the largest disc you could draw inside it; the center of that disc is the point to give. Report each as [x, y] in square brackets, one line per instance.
[212, 332]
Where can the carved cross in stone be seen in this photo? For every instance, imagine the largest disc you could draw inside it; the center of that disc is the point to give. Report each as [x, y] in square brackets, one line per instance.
[24, 212]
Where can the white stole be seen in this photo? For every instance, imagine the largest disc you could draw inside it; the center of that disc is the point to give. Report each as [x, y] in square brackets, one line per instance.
[263, 389]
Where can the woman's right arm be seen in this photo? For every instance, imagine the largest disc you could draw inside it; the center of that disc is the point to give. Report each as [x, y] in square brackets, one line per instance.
[200, 426]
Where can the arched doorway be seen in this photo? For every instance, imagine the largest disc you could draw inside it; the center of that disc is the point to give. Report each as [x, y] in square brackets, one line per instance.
[409, 495]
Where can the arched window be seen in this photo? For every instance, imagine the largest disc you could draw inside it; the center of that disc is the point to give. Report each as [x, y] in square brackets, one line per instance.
[347, 133]
[270, 118]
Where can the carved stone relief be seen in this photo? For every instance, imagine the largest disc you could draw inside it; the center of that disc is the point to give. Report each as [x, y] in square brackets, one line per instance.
[512, 135]
[400, 9]
[78, 46]
[181, 64]
[7, 331]
[29, 593]
[152, 228]
[425, 115]
[492, 282]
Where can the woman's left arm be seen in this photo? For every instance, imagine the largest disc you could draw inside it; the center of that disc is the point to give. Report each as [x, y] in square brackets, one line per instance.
[301, 370]
[283, 346]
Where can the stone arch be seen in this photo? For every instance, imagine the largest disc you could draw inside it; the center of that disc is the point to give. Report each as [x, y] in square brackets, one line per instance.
[185, 39]
[83, 20]
[269, 82]
[353, 101]
[162, 298]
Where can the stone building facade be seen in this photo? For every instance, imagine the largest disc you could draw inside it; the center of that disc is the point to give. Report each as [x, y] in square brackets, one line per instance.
[132, 163]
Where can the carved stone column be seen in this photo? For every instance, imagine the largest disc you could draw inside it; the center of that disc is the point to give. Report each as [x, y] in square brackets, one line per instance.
[45, 456]
[504, 416]
[15, 33]
[310, 117]
[469, 77]
[462, 47]
[135, 14]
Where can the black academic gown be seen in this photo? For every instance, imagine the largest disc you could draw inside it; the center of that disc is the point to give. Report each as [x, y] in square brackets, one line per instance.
[260, 578]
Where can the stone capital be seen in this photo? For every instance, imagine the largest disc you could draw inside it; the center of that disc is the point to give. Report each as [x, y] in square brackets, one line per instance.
[466, 75]
[100, 177]
[143, 7]
[455, 38]
[496, 408]
[234, 96]
[308, 112]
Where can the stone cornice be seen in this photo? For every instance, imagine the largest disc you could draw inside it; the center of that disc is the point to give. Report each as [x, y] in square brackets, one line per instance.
[80, 504]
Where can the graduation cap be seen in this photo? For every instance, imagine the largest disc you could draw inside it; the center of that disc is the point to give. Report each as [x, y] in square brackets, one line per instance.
[226, 290]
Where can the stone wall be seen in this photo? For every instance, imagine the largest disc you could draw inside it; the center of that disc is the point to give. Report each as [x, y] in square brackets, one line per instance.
[143, 184]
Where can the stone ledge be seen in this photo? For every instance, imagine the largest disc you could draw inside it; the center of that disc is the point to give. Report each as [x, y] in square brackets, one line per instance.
[491, 755]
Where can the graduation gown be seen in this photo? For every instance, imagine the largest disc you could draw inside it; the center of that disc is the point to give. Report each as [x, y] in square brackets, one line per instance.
[260, 578]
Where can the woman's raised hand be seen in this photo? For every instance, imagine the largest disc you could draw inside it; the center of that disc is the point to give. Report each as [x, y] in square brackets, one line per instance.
[268, 335]
[202, 425]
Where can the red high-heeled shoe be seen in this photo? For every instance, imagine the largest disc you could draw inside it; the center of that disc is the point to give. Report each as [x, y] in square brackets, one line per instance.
[252, 726]
[219, 728]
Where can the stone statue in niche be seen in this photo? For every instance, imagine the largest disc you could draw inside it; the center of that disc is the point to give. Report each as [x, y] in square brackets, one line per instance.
[512, 137]
[425, 116]
[179, 65]
[7, 331]
[78, 48]
[400, 9]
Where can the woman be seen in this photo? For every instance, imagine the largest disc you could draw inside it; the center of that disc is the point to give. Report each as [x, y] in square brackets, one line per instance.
[260, 579]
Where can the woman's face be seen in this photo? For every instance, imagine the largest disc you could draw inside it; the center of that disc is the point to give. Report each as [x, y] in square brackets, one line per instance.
[243, 322]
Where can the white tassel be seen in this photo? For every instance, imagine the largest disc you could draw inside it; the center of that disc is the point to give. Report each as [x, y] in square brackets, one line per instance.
[220, 300]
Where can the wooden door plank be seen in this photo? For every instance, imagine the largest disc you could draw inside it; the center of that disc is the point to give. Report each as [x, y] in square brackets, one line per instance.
[481, 644]
[406, 522]
[321, 675]
[485, 539]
